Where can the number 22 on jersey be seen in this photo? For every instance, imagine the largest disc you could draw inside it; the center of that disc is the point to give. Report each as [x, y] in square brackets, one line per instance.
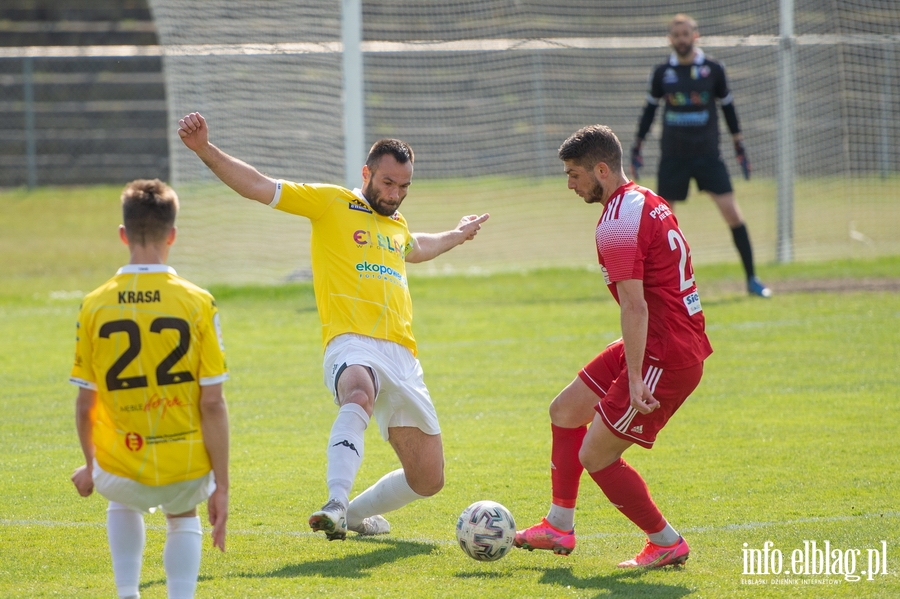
[164, 374]
[685, 271]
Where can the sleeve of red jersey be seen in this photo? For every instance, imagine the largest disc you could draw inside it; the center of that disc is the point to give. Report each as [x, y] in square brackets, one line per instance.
[619, 242]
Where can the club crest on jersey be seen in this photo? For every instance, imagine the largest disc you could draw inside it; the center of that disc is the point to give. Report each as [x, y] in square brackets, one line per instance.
[670, 76]
[355, 204]
[133, 441]
[699, 72]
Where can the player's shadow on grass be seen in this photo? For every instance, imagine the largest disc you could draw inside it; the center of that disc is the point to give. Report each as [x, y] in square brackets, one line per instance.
[627, 583]
[162, 582]
[351, 566]
[482, 575]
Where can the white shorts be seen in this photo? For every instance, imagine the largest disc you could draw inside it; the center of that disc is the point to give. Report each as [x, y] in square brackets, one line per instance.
[401, 398]
[176, 498]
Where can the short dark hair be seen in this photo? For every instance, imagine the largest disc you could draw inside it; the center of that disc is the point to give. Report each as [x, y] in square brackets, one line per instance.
[149, 207]
[400, 150]
[591, 145]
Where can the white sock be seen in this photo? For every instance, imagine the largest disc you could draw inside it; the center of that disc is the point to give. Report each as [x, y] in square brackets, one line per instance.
[345, 450]
[388, 494]
[562, 518]
[181, 556]
[125, 531]
[667, 537]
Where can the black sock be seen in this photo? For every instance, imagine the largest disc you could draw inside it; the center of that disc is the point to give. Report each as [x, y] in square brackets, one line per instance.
[742, 243]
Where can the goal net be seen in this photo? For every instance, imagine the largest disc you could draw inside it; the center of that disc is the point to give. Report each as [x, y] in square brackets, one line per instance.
[486, 90]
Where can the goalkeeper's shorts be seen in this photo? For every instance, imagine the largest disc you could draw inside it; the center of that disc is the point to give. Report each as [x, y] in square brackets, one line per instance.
[675, 174]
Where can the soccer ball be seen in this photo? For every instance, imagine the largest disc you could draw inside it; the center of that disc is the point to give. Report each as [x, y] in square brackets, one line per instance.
[486, 531]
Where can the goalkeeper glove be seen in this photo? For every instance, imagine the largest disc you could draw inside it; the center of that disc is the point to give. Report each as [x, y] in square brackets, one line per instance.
[742, 159]
[637, 161]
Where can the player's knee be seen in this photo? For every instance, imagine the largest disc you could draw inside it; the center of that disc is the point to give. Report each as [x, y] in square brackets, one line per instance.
[427, 488]
[557, 411]
[427, 484]
[564, 413]
[359, 397]
[594, 461]
[587, 460]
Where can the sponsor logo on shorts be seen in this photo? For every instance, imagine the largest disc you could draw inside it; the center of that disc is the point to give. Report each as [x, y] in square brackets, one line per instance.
[605, 275]
[637, 429]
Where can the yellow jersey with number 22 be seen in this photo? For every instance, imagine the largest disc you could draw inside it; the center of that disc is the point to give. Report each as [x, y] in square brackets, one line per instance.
[146, 341]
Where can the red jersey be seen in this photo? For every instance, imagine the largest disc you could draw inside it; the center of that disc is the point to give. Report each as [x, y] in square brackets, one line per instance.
[638, 238]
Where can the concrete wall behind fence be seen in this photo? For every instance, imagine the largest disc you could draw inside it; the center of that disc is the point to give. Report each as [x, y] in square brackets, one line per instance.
[70, 119]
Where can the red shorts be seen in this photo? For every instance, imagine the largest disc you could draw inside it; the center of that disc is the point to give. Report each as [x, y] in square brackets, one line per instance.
[607, 376]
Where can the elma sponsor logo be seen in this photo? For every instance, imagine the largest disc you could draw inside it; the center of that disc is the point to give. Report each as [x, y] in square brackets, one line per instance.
[813, 563]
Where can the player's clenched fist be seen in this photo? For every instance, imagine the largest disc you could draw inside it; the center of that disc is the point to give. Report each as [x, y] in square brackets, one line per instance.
[83, 480]
[193, 131]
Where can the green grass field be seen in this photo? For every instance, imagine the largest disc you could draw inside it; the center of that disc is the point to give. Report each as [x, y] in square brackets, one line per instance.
[790, 438]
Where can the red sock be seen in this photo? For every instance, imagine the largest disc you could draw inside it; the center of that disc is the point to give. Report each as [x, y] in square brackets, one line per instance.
[565, 467]
[626, 490]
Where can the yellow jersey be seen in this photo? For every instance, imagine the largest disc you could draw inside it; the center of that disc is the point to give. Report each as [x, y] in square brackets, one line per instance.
[146, 341]
[358, 262]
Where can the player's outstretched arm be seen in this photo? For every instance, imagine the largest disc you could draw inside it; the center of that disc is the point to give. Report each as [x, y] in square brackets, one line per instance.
[214, 422]
[427, 246]
[236, 174]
